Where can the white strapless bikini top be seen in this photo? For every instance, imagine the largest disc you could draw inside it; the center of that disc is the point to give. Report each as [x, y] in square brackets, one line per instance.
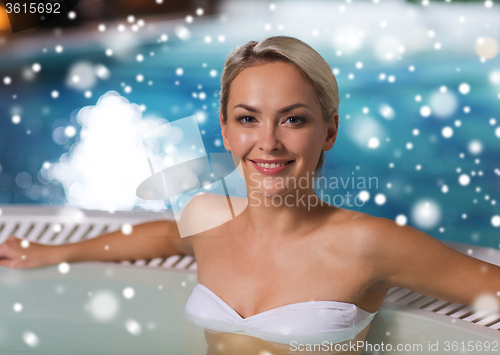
[303, 322]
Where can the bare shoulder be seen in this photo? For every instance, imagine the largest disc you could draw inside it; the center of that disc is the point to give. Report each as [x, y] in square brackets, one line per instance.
[343, 215]
[384, 236]
[372, 238]
[206, 204]
[359, 227]
[195, 219]
[206, 211]
[375, 236]
[203, 200]
[368, 226]
[403, 256]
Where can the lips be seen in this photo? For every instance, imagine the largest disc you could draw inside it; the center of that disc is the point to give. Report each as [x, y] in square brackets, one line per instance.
[271, 167]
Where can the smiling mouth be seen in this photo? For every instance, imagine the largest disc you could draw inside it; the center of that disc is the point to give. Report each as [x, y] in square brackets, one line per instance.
[273, 165]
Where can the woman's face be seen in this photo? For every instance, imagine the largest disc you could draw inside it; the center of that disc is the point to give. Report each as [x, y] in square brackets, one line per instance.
[274, 125]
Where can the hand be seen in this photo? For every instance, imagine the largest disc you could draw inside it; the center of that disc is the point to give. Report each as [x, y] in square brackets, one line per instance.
[17, 253]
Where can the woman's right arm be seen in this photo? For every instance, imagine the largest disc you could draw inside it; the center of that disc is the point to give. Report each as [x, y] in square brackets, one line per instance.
[157, 239]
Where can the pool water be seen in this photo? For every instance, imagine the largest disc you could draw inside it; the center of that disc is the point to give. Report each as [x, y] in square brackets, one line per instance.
[97, 309]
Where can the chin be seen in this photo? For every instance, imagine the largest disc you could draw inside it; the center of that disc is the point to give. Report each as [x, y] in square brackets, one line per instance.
[270, 192]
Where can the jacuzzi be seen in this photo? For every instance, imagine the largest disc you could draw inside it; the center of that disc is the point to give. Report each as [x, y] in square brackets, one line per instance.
[136, 307]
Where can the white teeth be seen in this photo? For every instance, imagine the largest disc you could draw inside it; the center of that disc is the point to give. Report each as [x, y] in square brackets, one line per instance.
[271, 166]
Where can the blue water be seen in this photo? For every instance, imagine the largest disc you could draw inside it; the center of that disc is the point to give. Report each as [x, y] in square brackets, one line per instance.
[439, 157]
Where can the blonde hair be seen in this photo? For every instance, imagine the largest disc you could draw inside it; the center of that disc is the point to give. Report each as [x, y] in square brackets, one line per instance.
[288, 49]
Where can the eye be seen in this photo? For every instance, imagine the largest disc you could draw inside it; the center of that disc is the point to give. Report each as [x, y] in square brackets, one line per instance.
[246, 119]
[295, 120]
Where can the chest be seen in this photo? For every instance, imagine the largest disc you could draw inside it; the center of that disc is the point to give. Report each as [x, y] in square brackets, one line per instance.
[256, 278]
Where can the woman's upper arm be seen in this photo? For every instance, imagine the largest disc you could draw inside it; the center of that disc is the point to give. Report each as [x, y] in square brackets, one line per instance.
[410, 258]
[183, 246]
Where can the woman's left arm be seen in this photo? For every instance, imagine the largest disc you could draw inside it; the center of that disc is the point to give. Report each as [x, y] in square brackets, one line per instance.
[407, 257]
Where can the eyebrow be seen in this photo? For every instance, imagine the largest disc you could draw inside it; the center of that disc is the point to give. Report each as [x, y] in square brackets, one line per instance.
[283, 110]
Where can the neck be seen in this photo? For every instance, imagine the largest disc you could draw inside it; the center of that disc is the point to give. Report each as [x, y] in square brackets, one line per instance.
[280, 216]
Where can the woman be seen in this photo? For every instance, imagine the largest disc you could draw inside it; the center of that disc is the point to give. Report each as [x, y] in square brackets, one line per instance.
[258, 272]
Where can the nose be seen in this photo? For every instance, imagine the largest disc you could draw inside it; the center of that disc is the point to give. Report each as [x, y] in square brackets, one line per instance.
[269, 139]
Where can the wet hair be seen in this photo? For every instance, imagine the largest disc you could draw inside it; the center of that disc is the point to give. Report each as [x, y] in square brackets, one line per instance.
[286, 49]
